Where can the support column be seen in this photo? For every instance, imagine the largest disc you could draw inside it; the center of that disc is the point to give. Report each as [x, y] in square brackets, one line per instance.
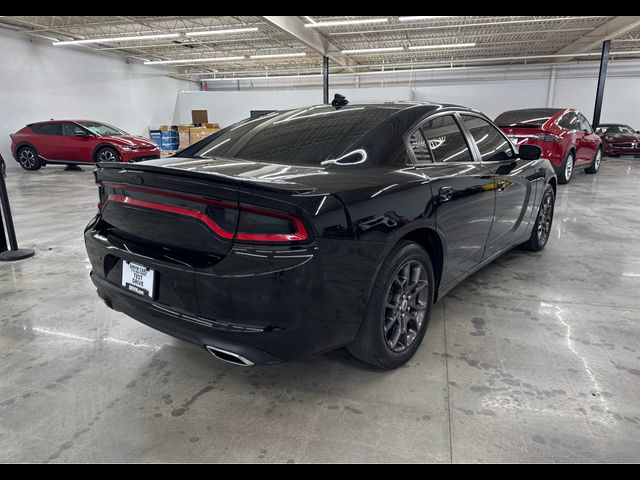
[552, 88]
[325, 80]
[602, 76]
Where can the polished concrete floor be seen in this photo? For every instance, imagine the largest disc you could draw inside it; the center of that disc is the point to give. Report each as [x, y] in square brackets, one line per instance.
[534, 359]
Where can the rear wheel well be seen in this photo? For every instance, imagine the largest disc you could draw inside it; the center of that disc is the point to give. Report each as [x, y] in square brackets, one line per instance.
[554, 184]
[430, 241]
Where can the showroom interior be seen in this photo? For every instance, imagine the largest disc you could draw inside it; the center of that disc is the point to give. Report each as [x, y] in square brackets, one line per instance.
[535, 357]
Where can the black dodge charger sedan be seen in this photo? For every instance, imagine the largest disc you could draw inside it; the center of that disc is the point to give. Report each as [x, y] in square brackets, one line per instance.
[306, 230]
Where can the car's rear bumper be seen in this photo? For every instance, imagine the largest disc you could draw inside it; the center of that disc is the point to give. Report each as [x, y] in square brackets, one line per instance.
[266, 306]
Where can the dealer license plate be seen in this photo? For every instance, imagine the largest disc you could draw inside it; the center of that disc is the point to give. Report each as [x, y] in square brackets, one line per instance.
[138, 279]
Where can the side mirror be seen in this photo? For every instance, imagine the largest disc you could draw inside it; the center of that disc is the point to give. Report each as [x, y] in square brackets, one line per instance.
[529, 152]
[82, 134]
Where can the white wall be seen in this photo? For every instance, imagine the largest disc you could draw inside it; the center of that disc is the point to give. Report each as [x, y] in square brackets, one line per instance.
[491, 90]
[39, 82]
[229, 107]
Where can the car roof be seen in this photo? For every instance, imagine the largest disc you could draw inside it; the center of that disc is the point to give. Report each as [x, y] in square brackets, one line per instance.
[62, 120]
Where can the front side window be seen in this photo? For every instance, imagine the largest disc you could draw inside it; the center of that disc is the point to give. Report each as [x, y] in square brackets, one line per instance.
[446, 141]
[493, 146]
[419, 147]
[71, 130]
[102, 129]
[50, 129]
[584, 124]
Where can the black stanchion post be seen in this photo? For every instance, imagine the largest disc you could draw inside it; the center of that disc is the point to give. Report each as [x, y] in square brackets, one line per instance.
[14, 253]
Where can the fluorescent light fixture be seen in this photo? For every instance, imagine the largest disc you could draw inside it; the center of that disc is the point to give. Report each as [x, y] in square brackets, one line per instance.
[194, 60]
[338, 23]
[373, 50]
[413, 19]
[310, 20]
[279, 55]
[221, 32]
[263, 77]
[450, 45]
[117, 39]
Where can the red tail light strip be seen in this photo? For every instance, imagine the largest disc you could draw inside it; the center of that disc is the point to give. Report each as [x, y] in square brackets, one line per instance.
[177, 210]
[301, 232]
[299, 235]
[166, 193]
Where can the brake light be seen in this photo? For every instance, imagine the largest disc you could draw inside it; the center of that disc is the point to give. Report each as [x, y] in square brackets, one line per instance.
[254, 224]
[260, 225]
[549, 138]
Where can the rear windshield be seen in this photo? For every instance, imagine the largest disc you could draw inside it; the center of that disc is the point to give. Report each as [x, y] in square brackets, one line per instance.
[299, 137]
[534, 117]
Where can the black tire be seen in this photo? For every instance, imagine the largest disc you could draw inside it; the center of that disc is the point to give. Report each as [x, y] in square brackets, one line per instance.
[389, 312]
[28, 159]
[595, 163]
[544, 221]
[107, 154]
[565, 173]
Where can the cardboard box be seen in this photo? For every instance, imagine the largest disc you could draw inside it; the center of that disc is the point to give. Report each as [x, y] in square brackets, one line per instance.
[198, 133]
[167, 128]
[211, 125]
[184, 136]
[198, 117]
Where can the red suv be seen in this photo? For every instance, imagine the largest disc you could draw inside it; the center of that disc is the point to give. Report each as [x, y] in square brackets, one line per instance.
[564, 135]
[77, 142]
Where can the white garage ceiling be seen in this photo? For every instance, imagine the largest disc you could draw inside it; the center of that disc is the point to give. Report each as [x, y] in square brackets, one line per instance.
[196, 46]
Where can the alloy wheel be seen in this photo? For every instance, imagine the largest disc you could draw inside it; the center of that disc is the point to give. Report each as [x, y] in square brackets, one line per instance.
[545, 217]
[568, 169]
[107, 156]
[598, 160]
[405, 306]
[27, 159]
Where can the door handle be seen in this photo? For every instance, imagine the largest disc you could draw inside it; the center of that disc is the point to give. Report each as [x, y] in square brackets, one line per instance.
[445, 193]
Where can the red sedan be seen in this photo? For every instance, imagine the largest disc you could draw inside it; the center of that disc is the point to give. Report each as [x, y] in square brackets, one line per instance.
[77, 142]
[619, 139]
[564, 135]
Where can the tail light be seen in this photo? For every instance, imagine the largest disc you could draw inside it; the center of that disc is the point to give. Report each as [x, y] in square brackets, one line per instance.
[254, 224]
[257, 225]
[549, 138]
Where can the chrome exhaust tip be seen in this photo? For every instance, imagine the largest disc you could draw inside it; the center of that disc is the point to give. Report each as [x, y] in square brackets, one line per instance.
[229, 357]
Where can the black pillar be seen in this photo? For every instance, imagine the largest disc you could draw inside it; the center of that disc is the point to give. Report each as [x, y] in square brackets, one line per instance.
[325, 80]
[602, 76]
[13, 252]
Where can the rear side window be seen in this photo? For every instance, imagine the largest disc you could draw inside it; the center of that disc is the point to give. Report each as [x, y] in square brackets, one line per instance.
[493, 146]
[49, 129]
[570, 121]
[419, 147]
[446, 140]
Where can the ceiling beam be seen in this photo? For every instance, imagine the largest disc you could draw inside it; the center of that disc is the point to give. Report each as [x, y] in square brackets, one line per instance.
[295, 27]
[610, 30]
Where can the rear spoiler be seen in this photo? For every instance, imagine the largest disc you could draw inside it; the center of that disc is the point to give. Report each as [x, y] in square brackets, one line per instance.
[112, 171]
